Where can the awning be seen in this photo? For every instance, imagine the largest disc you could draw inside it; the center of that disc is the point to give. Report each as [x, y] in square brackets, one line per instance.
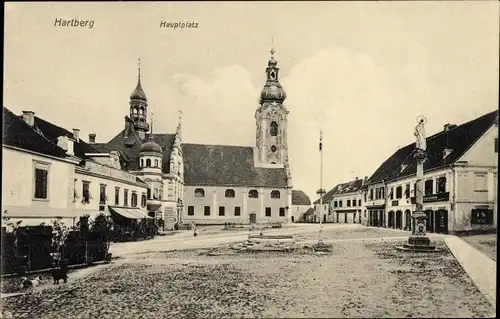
[131, 213]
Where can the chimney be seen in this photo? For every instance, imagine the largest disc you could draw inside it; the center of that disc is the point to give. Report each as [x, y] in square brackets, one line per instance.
[92, 138]
[448, 127]
[29, 117]
[76, 134]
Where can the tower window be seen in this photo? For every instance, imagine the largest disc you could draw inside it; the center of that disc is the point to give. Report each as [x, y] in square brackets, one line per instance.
[274, 129]
[142, 162]
[272, 75]
[148, 162]
[275, 194]
[273, 148]
[156, 163]
[229, 193]
[199, 192]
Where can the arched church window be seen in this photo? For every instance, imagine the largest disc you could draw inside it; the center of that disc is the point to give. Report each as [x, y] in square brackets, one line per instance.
[199, 192]
[141, 110]
[142, 162]
[135, 110]
[148, 162]
[274, 128]
[229, 193]
[253, 193]
[156, 163]
[275, 194]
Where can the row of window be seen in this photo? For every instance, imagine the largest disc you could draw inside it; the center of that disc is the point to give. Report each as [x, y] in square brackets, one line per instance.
[349, 203]
[236, 211]
[148, 163]
[87, 196]
[229, 193]
[397, 192]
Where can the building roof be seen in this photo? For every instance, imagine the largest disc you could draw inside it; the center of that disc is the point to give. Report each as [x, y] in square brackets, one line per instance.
[129, 147]
[341, 189]
[309, 211]
[300, 198]
[459, 139]
[224, 165]
[17, 133]
[53, 132]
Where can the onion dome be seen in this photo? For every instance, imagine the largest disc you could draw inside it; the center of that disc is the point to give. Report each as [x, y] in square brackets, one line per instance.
[151, 146]
[272, 91]
[138, 93]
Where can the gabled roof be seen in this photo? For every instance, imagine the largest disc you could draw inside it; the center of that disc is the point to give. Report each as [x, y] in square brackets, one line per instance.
[130, 151]
[342, 188]
[17, 133]
[300, 198]
[53, 132]
[459, 139]
[224, 165]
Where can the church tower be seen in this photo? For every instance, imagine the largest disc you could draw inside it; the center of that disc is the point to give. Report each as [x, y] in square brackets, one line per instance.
[139, 108]
[271, 148]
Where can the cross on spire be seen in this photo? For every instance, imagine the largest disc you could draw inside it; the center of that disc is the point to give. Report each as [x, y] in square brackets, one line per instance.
[139, 67]
[272, 47]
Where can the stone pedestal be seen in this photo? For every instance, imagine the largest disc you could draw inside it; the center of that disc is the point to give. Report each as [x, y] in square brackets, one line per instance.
[418, 241]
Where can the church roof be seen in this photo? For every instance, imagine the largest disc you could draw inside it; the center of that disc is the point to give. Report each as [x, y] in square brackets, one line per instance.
[300, 198]
[224, 165]
[459, 139]
[17, 133]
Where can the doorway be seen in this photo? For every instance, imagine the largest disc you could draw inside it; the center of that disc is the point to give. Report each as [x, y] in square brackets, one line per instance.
[441, 221]
[408, 220]
[399, 219]
[253, 218]
[390, 222]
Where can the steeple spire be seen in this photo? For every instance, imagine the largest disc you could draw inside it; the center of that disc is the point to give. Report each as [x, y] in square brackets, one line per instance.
[138, 93]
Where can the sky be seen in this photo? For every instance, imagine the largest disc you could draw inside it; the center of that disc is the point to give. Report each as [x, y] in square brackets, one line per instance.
[360, 71]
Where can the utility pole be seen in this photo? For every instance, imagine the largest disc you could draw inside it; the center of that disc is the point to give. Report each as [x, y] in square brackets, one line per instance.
[321, 191]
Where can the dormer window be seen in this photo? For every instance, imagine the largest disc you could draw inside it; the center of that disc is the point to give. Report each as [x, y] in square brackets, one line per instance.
[403, 167]
[446, 152]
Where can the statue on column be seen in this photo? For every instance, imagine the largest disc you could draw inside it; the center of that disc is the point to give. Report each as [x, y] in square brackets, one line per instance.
[419, 133]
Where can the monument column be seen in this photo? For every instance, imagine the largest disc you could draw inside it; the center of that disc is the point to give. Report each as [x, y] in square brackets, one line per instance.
[418, 239]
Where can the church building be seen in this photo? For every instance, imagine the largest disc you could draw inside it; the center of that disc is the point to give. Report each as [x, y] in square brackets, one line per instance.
[210, 184]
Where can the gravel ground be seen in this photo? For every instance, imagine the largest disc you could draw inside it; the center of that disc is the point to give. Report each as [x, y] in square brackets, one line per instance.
[485, 243]
[355, 280]
[343, 233]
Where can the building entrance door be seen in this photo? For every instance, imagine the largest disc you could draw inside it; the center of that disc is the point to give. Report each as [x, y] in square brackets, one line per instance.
[253, 218]
[441, 221]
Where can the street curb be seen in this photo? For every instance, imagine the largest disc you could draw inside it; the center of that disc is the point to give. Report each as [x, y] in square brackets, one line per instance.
[467, 256]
